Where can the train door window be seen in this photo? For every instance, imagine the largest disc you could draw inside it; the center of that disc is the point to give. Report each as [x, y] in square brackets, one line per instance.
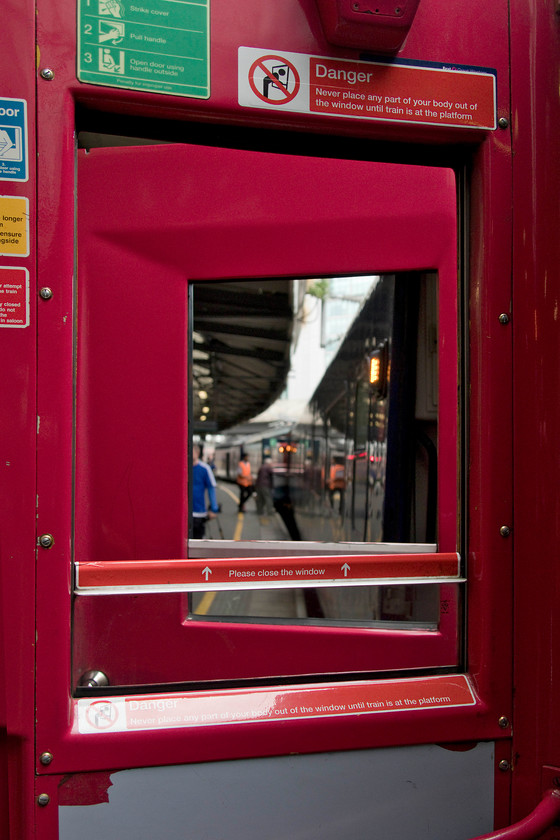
[299, 319]
[369, 481]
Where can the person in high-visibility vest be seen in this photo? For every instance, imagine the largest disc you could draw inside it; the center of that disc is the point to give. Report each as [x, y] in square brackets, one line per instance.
[245, 481]
[337, 483]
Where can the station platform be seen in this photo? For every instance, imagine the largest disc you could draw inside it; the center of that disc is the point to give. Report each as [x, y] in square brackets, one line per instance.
[230, 524]
[249, 530]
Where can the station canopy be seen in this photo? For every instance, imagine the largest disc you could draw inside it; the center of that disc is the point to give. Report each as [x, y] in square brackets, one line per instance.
[242, 335]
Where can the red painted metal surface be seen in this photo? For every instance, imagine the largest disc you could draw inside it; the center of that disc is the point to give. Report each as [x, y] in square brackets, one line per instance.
[289, 220]
[293, 26]
[536, 183]
[18, 412]
[367, 25]
[271, 215]
[508, 220]
[543, 817]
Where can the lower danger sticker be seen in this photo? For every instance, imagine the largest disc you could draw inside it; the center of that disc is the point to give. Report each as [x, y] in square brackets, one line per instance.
[408, 92]
[166, 711]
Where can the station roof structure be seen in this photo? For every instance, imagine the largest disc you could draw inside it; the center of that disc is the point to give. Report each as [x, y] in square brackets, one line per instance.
[242, 335]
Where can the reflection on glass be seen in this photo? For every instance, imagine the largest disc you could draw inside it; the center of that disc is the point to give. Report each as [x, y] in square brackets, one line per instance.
[361, 606]
[302, 443]
[281, 380]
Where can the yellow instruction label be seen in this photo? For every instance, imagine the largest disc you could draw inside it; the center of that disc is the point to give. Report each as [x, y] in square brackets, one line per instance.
[14, 226]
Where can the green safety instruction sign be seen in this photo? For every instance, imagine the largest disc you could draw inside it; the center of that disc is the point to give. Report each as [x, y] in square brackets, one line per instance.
[152, 45]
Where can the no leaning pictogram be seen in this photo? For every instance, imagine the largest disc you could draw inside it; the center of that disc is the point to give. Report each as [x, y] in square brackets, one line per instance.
[102, 714]
[274, 79]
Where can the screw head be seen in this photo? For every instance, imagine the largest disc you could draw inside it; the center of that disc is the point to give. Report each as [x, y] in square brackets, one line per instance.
[46, 293]
[46, 540]
[46, 758]
[47, 74]
[503, 122]
[43, 799]
[503, 765]
[503, 722]
[505, 531]
[503, 318]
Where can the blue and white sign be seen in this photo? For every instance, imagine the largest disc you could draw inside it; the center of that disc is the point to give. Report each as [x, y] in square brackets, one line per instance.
[13, 140]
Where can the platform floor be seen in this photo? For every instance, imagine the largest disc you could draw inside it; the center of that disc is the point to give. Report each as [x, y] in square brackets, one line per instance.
[232, 525]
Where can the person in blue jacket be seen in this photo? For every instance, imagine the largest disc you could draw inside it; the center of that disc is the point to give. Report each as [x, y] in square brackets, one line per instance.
[203, 482]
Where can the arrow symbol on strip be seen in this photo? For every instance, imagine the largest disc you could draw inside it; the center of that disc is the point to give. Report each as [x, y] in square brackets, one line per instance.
[207, 571]
[345, 569]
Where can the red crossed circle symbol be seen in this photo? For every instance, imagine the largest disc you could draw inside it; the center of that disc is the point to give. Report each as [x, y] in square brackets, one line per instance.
[274, 79]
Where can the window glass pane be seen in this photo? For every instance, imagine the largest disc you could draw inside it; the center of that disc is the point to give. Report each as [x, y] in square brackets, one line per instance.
[356, 606]
[297, 437]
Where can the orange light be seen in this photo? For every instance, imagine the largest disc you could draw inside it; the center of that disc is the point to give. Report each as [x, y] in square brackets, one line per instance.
[374, 370]
[377, 371]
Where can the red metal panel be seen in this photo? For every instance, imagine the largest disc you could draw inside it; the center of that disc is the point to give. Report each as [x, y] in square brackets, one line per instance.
[158, 645]
[536, 127]
[271, 215]
[17, 467]
[265, 215]
[478, 37]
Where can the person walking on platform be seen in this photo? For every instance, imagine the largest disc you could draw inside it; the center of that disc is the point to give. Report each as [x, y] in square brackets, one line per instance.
[264, 487]
[203, 482]
[337, 483]
[245, 481]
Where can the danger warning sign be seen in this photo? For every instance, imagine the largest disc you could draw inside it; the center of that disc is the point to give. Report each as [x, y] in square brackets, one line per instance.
[408, 92]
[164, 711]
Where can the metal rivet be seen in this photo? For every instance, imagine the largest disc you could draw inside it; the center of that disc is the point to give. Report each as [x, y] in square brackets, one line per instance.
[504, 318]
[46, 758]
[503, 722]
[46, 540]
[43, 799]
[503, 122]
[503, 765]
[47, 74]
[505, 531]
[46, 293]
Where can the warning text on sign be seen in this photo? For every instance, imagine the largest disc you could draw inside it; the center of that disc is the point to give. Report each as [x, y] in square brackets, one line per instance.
[14, 297]
[14, 226]
[260, 705]
[400, 93]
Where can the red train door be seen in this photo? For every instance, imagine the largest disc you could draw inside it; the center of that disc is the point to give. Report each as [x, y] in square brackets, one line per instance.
[181, 689]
